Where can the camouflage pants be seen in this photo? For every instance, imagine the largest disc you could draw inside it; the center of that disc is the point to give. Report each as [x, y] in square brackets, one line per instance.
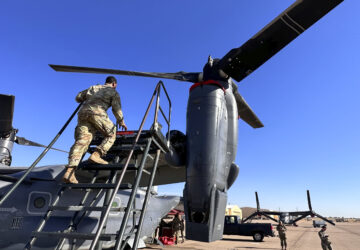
[84, 132]
[326, 245]
[176, 235]
[283, 241]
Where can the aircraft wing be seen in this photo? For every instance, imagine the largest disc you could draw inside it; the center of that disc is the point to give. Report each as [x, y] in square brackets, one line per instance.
[165, 174]
[299, 213]
[5, 170]
[271, 212]
[240, 62]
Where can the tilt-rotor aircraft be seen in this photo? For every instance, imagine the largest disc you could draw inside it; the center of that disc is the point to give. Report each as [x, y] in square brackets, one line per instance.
[30, 201]
[286, 217]
[213, 109]
[204, 157]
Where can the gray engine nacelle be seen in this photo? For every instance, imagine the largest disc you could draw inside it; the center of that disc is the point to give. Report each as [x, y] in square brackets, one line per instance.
[211, 147]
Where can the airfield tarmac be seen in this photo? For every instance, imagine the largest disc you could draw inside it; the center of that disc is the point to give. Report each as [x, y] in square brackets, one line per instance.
[344, 236]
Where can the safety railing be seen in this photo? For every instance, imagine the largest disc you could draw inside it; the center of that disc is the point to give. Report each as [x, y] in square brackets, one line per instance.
[155, 124]
[123, 171]
[158, 107]
[22, 178]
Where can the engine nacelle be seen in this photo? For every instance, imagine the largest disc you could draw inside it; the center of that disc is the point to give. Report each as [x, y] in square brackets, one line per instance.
[211, 147]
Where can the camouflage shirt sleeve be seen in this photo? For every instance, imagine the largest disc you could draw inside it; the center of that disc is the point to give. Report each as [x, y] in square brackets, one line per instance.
[81, 96]
[116, 108]
[322, 235]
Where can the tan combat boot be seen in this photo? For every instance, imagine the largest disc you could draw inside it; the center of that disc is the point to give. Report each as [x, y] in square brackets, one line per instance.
[69, 176]
[95, 157]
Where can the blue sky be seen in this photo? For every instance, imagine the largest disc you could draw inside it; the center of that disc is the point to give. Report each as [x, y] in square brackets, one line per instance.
[306, 95]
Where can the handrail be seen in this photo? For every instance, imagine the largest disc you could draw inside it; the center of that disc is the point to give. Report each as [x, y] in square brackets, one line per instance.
[40, 157]
[161, 84]
[123, 171]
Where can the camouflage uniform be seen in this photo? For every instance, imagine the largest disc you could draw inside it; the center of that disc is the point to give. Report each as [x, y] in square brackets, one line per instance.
[177, 228]
[92, 117]
[325, 243]
[282, 229]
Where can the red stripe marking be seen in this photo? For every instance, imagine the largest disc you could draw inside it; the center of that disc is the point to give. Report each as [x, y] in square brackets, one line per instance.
[213, 82]
[125, 132]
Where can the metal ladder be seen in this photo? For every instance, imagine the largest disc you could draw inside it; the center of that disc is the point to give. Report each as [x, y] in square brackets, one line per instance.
[143, 144]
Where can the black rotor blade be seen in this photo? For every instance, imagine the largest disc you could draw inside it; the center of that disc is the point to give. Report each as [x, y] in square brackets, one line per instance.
[265, 214]
[240, 62]
[257, 202]
[180, 76]
[26, 142]
[246, 113]
[250, 216]
[268, 216]
[6, 112]
[301, 217]
[323, 218]
[309, 200]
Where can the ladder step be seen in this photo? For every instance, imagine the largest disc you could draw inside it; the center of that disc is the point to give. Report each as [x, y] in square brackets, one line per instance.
[84, 208]
[138, 148]
[94, 166]
[73, 235]
[96, 186]
[146, 172]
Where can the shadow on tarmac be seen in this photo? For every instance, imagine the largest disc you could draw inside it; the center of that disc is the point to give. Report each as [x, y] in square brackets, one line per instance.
[255, 248]
[242, 240]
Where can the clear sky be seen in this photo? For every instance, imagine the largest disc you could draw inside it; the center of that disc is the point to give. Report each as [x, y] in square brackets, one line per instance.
[306, 95]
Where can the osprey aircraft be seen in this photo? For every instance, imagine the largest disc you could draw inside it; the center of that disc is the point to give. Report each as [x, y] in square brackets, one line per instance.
[204, 157]
[214, 107]
[286, 217]
[20, 215]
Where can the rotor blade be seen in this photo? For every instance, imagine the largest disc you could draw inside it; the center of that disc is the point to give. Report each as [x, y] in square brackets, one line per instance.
[250, 216]
[309, 200]
[6, 112]
[25, 142]
[257, 202]
[180, 76]
[244, 111]
[323, 218]
[268, 216]
[301, 217]
[240, 62]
